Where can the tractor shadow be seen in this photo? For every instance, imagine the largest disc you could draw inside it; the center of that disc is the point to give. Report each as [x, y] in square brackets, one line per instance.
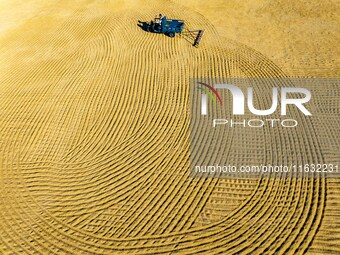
[145, 26]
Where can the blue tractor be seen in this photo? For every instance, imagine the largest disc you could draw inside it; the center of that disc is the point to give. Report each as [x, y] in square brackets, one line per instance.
[171, 27]
[166, 26]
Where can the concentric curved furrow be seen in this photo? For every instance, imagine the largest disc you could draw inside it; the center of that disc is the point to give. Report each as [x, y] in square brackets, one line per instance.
[94, 152]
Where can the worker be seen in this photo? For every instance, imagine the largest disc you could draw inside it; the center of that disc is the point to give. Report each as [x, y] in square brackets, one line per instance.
[158, 19]
[158, 22]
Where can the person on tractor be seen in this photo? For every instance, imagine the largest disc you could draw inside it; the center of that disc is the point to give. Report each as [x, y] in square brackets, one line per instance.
[159, 21]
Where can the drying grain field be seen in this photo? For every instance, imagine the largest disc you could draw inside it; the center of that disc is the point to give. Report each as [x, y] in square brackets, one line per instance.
[94, 129]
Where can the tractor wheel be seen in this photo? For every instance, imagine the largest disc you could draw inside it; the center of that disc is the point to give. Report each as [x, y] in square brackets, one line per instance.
[171, 34]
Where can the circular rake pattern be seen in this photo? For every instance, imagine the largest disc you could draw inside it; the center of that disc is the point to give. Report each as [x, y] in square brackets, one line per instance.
[95, 139]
